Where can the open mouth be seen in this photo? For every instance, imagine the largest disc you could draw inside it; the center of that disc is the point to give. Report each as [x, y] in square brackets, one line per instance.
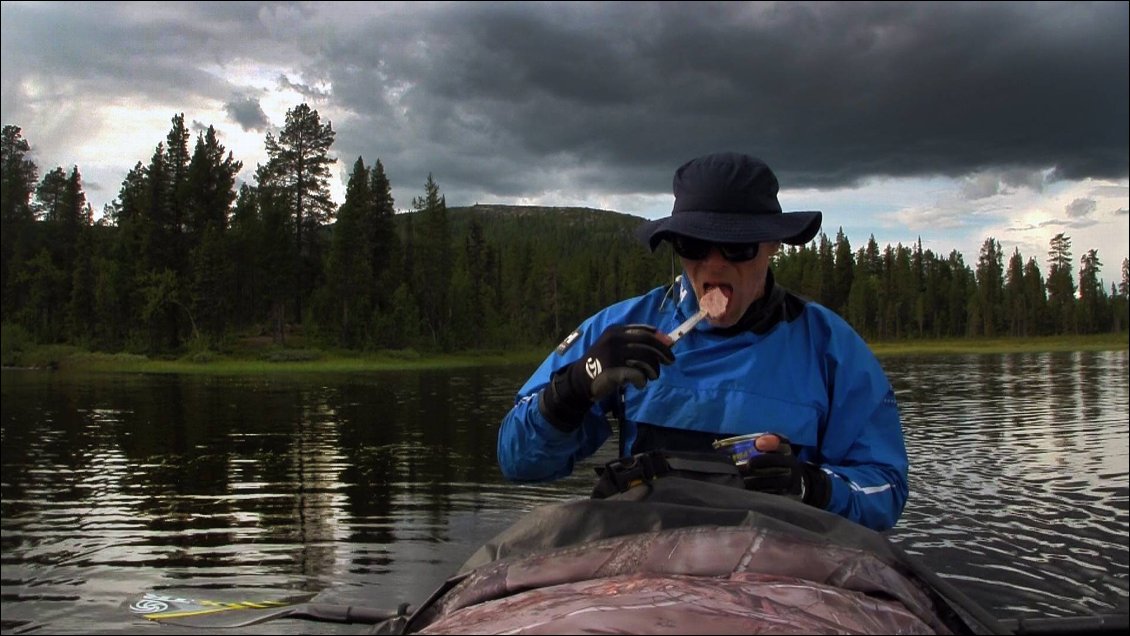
[727, 290]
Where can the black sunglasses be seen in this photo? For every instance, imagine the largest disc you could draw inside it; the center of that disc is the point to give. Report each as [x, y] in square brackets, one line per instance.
[696, 250]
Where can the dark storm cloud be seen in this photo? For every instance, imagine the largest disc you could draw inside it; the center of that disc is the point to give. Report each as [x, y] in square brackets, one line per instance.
[830, 94]
[248, 113]
[1080, 208]
[515, 99]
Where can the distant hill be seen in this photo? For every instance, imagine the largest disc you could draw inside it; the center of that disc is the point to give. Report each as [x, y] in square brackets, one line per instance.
[552, 266]
[568, 215]
[558, 229]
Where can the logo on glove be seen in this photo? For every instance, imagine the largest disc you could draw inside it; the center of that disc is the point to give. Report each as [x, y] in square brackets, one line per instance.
[593, 368]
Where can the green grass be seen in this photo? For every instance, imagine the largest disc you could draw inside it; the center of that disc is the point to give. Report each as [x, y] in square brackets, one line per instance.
[314, 361]
[290, 362]
[1044, 344]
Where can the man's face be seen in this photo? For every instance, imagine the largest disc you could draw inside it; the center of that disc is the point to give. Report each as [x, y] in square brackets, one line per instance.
[741, 282]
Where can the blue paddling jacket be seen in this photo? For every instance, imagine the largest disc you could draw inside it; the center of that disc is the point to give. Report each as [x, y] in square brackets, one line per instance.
[790, 366]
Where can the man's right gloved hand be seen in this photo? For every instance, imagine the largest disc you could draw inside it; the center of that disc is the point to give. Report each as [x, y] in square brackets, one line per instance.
[622, 354]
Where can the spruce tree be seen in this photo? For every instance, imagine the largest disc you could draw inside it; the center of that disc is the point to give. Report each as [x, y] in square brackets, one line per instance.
[1092, 296]
[386, 254]
[248, 260]
[990, 286]
[475, 258]
[843, 274]
[349, 276]
[211, 185]
[1035, 298]
[433, 261]
[1016, 313]
[176, 198]
[209, 194]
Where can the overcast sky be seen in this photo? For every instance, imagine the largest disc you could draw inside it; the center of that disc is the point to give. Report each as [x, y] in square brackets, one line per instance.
[950, 122]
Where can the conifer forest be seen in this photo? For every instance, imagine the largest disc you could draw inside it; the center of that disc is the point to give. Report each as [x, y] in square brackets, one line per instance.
[183, 261]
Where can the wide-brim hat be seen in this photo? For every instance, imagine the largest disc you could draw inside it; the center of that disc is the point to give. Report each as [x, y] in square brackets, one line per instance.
[730, 197]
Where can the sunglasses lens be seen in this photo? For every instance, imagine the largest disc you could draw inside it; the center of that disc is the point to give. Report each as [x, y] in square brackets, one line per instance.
[697, 250]
[739, 252]
[693, 249]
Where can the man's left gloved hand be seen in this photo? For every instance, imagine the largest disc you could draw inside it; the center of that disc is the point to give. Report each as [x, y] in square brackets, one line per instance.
[776, 470]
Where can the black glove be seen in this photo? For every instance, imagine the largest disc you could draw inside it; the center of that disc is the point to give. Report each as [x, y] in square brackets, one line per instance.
[622, 354]
[779, 472]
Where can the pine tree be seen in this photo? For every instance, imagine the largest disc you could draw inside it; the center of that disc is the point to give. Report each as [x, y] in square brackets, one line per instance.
[1061, 284]
[50, 195]
[18, 175]
[297, 173]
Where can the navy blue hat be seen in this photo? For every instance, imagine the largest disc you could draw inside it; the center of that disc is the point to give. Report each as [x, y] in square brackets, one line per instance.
[729, 197]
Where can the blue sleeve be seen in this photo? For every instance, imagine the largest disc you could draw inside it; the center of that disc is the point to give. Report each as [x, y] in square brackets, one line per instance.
[864, 451]
[532, 449]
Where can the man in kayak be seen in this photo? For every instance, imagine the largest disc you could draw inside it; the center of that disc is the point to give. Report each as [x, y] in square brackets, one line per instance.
[765, 360]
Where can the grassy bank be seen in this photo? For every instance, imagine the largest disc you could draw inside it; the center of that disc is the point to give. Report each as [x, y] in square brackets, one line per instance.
[279, 361]
[313, 361]
[1098, 342]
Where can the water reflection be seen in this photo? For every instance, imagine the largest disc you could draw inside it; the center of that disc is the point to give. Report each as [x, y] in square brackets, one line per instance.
[372, 488]
[1019, 477]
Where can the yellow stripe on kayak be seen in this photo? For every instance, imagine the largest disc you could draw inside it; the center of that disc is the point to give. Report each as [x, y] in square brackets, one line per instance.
[214, 607]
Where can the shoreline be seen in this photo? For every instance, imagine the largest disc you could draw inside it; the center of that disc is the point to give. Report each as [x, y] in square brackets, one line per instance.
[314, 361]
[976, 346]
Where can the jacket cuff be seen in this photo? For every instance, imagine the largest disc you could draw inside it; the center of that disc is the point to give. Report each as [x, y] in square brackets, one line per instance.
[817, 487]
[559, 404]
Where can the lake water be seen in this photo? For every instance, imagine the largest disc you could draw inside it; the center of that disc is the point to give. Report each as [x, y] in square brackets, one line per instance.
[371, 489]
